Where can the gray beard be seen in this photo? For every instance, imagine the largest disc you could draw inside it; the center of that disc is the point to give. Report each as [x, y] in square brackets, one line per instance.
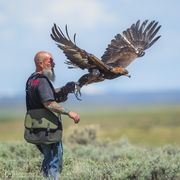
[49, 74]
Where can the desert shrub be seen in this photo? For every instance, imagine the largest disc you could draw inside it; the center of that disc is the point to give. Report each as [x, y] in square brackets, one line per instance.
[19, 161]
[123, 162]
[82, 135]
[95, 161]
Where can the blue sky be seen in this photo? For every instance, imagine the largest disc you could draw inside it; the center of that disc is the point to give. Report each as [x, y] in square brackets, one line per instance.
[26, 26]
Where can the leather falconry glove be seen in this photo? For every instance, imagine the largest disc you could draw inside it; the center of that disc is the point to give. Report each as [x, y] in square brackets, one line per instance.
[62, 94]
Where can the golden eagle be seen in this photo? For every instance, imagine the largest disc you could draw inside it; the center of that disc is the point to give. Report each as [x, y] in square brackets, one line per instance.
[122, 50]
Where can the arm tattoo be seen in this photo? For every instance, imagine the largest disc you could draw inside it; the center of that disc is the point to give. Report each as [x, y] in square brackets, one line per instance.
[55, 107]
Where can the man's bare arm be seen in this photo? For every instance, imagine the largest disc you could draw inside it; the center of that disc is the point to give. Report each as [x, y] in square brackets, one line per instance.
[55, 107]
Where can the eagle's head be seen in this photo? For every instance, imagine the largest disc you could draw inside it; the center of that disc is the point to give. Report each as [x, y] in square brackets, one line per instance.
[126, 73]
[118, 71]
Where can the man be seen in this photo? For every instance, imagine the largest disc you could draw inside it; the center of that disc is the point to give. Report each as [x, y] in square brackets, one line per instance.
[43, 123]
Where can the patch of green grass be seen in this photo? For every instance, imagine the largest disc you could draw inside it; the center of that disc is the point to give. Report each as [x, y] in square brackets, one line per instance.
[156, 125]
[147, 125]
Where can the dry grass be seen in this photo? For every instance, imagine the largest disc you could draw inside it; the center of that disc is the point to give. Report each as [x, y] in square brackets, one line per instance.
[153, 125]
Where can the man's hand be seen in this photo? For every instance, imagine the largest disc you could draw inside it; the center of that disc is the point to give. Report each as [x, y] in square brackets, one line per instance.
[74, 116]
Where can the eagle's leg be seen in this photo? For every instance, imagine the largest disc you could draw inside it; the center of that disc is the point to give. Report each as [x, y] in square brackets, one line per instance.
[83, 80]
[93, 76]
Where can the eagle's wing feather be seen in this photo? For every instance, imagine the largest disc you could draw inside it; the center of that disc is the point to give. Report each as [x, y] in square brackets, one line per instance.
[76, 57]
[124, 48]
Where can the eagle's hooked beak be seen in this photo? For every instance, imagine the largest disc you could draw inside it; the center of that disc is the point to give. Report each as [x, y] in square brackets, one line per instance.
[128, 75]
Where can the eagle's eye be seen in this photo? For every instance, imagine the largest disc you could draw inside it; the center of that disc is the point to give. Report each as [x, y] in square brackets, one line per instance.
[125, 72]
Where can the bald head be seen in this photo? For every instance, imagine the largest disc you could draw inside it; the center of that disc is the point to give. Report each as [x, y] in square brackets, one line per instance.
[41, 56]
[45, 64]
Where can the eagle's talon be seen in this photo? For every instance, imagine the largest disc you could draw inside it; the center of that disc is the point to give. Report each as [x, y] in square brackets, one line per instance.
[77, 91]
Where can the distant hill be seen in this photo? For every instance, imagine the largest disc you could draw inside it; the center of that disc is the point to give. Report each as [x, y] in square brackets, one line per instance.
[116, 98]
[132, 98]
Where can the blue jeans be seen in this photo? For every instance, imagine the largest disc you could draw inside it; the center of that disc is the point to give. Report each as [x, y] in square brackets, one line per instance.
[52, 163]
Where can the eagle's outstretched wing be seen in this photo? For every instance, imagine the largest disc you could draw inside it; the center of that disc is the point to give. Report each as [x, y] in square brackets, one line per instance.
[122, 50]
[131, 44]
[76, 56]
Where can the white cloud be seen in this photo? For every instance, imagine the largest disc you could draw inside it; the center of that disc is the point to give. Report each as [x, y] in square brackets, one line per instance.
[38, 16]
[93, 89]
[85, 12]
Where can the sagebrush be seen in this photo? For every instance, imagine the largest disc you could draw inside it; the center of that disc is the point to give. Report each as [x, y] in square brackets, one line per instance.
[95, 161]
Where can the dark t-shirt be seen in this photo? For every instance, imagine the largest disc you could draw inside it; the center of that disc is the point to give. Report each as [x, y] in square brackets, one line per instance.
[38, 90]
